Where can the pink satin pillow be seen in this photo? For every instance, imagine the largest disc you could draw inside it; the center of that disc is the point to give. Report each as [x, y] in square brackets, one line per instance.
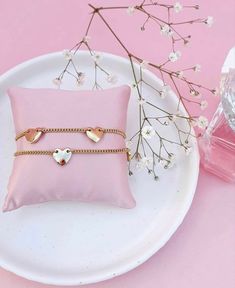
[87, 177]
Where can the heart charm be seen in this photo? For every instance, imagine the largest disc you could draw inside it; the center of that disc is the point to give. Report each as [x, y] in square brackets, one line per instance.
[62, 157]
[95, 134]
[33, 135]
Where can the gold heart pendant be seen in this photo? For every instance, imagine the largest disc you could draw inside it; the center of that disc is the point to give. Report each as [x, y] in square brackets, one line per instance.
[62, 157]
[33, 135]
[95, 134]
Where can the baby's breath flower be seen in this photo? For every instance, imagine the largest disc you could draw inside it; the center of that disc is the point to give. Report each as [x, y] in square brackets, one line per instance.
[112, 79]
[57, 81]
[156, 178]
[163, 162]
[174, 56]
[209, 21]
[86, 38]
[202, 122]
[180, 74]
[130, 10]
[166, 30]
[188, 150]
[194, 93]
[178, 7]
[197, 68]
[164, 91]
[170, 164]
[203, 104]
[144, 162]
[162, 95]
[147, 161]
[133, 85]
[144, 64]
[141, 101]
[148, 132]
[215, 91]
[128, 144]
[171, 156]
[67, 55]
[96, 57]
[80, 79]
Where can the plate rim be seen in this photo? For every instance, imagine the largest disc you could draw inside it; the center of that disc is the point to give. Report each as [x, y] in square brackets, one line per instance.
[151, 250]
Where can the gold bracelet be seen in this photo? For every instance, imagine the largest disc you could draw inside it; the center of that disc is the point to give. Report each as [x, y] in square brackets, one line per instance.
[33, 135]
[62, 156]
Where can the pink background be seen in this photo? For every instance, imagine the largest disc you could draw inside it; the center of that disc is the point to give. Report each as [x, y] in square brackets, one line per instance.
[202, 252]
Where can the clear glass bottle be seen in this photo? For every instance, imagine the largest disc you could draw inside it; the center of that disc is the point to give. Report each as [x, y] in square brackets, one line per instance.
[217, 145]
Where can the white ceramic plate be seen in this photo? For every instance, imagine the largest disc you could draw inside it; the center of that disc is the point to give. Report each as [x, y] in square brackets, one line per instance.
[77, 243]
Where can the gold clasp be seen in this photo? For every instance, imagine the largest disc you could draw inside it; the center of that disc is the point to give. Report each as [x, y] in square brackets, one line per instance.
[128, 153]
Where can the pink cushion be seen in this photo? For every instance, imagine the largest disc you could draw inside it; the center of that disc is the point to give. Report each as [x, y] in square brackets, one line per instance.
[86, 177]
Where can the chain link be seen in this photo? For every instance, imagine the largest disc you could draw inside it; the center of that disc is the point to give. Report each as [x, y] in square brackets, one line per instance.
[72, 130]
[74, 151]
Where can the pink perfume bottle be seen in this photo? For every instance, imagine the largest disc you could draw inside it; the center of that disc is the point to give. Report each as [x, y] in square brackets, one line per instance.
[217, 145]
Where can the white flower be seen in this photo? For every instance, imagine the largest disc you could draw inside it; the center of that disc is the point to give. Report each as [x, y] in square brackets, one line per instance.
[164, 91]
[162, 95]
[67, 55]
[166, 88]
[188, 150]
[215, 91]
[197, 68]
[86, 38]
[202, 122]
[141, 101]
[148, 132]
[96, 57]
[171, 156]
[147, 161]
[57, 82]
[166, 30]
[209, 21]
[163, 162]
[133, 85]
[203, 104]
[130, 10]
[80, 79]
[174, 56]
[178, 7]
[112, 79]
[168, 163]
[128, 144]
[144, 162]
[194, 93]
[144, 64]
[180, 74]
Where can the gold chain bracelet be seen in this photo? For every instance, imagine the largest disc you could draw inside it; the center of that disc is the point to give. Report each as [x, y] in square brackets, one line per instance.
[62, 156]
[33, 135]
